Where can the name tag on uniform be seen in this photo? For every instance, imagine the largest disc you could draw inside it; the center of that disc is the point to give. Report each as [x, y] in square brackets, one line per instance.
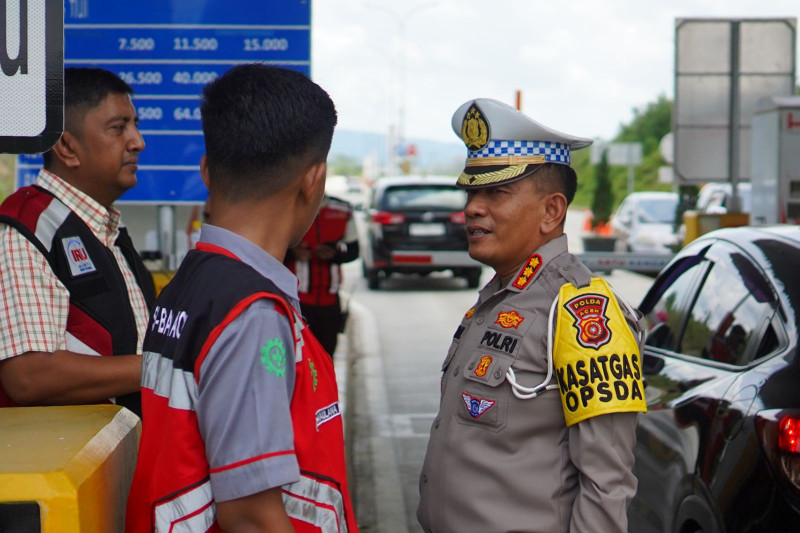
[79, 261]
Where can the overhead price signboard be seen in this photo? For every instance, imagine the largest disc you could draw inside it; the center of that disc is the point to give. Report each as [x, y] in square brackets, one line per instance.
[167, 50]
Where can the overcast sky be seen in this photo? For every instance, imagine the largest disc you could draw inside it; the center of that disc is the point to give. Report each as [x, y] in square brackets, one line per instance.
[582, 65]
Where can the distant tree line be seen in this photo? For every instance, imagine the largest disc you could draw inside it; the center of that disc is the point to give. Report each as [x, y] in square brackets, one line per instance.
[649, 125]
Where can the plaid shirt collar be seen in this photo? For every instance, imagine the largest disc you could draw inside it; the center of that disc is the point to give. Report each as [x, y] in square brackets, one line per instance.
[104, 223]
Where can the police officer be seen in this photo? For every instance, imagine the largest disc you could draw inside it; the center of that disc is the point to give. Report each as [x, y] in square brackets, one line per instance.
[542, 383]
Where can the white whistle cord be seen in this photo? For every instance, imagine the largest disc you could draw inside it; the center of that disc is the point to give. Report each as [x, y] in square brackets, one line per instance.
[527, 393]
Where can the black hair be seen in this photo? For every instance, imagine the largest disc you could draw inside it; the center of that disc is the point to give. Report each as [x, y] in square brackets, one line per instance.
[85, 89]
[556, 177]
[263, 125]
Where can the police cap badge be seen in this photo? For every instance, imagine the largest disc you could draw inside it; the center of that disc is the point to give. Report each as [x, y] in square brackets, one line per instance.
[503, 143]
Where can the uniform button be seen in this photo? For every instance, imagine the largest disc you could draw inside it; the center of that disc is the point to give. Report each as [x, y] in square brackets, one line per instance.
[568, 267]
[436, 423]
[498, 374]
[455, 371]
[479, 320]
[471, 366]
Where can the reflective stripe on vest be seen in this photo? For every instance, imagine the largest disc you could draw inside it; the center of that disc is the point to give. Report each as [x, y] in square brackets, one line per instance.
[49, 221]
[180, 387]
[191, 511]
[315, 503]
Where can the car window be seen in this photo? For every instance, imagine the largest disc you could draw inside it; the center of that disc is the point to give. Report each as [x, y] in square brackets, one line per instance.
[730, 311]
[666, 306]
[658, 210]
[424, 198]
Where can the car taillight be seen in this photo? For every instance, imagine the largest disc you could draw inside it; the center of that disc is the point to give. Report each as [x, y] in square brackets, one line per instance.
[384, 218]
[789, 434]
[458, 218]
[779, 432]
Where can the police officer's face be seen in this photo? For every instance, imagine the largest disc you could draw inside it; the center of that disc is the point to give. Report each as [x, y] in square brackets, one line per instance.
[504, 224]
[108, 147]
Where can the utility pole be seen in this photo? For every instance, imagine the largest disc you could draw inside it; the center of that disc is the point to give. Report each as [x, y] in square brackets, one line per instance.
[402, 20]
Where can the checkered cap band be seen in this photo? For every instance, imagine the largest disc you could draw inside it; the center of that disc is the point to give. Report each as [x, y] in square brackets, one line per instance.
[553, 152]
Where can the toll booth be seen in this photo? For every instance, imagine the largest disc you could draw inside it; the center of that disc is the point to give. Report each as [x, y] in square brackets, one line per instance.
[66, 469]
[775, 162]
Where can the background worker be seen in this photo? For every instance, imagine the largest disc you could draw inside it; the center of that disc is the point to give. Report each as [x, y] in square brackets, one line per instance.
[542, 383]
[242, 427]
[330, 241]
[72, 286]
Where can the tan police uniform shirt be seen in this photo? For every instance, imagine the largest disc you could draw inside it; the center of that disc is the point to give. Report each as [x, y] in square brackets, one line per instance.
[496, 463]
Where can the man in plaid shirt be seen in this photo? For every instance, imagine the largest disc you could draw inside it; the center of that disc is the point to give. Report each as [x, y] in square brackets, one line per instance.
[72, 287]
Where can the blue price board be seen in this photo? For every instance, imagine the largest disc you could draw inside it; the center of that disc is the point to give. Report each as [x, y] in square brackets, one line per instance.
[167, 50]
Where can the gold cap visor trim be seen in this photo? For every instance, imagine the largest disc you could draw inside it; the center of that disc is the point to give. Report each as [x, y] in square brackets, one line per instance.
[490, 178]
[507, 160]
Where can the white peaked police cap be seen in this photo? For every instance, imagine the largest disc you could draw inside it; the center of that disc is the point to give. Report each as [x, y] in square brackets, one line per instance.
[502, 143]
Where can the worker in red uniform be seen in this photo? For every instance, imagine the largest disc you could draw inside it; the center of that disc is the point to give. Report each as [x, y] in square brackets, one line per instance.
[242, 428]
[330, 241]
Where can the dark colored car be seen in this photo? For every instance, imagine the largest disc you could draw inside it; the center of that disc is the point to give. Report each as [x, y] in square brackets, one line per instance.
[719, 448]
[416, 225]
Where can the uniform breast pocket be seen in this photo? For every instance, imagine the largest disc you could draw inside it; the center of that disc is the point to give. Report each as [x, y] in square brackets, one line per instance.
[485, 395]
[87, 285]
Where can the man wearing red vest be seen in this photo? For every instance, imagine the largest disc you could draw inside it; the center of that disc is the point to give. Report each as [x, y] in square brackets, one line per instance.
[72, 287]
[330, 241]
[242, 428]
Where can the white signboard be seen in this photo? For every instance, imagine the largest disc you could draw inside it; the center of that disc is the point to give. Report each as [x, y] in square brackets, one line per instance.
[31, 74]
[722, 67]
[619, 154]
[625, 154]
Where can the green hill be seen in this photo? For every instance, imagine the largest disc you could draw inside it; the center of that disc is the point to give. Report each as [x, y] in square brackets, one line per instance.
[649, 125]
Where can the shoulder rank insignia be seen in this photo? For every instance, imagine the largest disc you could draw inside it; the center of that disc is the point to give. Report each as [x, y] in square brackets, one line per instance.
[589, 311]
[528, 271]
[474, 129]
[509, 319]
[476, 406]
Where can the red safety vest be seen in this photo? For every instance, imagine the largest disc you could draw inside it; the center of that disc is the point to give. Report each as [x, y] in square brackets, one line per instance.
[318, 280]
[171, 484]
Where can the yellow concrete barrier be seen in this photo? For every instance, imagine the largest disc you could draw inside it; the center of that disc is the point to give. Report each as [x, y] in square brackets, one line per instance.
[74, 462]
[160, 279]
[698, 223]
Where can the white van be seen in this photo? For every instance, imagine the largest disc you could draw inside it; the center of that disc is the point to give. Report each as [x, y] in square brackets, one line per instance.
[645, 223]
[715, 197]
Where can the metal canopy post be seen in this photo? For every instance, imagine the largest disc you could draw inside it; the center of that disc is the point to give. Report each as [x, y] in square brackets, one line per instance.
[734, 131]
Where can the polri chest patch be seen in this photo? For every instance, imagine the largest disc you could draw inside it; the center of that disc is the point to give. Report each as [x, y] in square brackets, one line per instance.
[483, 366]
[591, 321]
[476, 406]
[79, 261]
[502, 342]
[509, 319]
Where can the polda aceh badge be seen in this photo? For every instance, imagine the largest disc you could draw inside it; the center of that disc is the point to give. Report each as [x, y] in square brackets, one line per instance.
[589, 311]
[474, 129]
